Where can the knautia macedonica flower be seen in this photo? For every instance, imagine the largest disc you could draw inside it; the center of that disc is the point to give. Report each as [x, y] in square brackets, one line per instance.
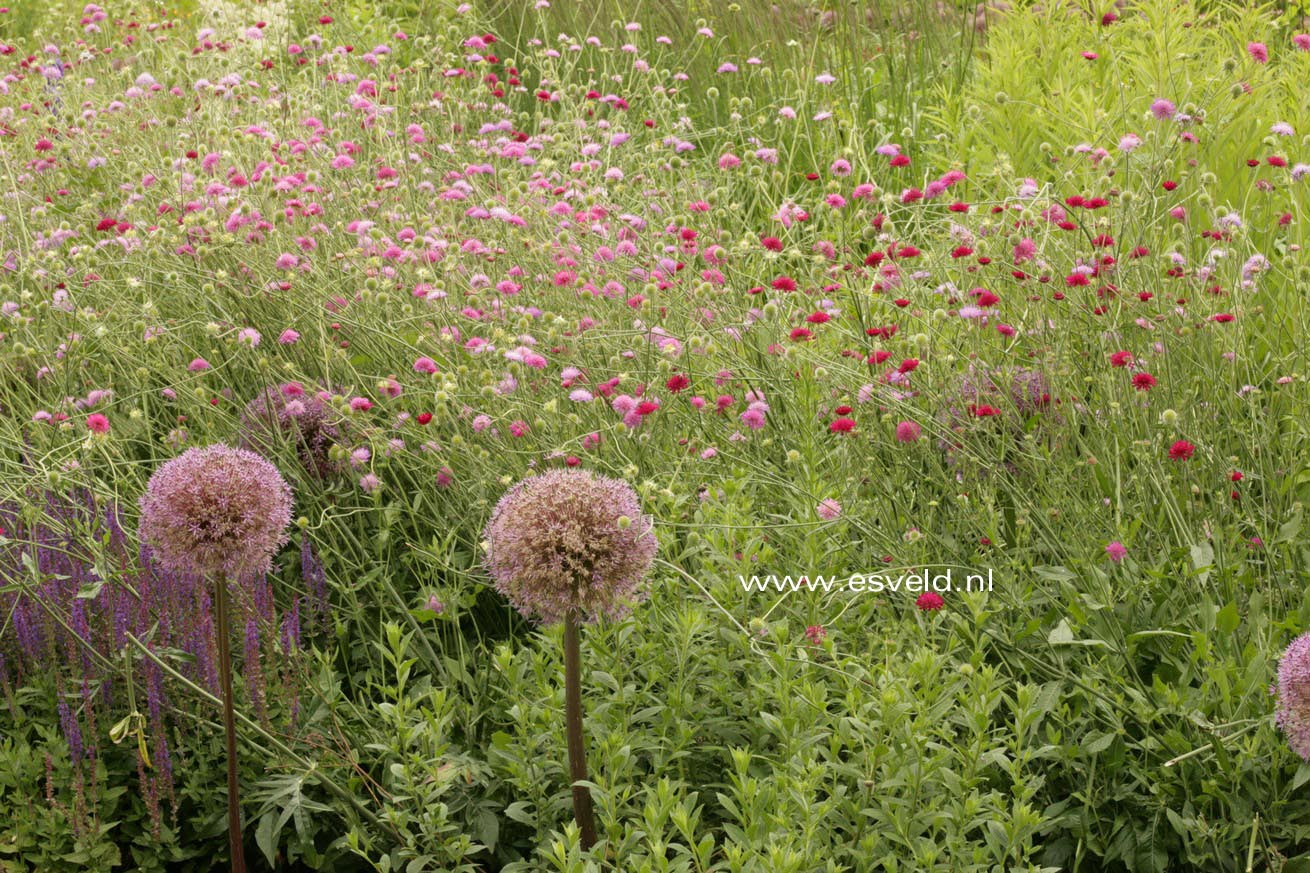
[216, 511]
[287, 413]
[1293, 714]
[570, 539]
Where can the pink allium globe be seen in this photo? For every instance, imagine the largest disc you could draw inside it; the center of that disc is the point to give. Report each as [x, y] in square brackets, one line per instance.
[570, 539]
[216, 510]
[1293, 714]
[288, 413]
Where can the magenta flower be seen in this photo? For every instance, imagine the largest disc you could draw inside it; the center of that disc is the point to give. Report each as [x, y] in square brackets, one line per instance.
[929, 601]
[1163, 109]
[216, 511]
[569, 540]
[908, 431]
[1116, 551]
[1258, 51]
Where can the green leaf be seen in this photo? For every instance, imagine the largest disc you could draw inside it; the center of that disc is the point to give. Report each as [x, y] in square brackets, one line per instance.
[1099, 745]
[266, 837]
[1226, 620]
[518, 811]
[1202, 559]
[1060, 634]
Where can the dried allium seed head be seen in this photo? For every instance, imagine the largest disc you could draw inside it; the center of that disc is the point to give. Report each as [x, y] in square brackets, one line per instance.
[569, 539]
[216, 510]
[299, 418]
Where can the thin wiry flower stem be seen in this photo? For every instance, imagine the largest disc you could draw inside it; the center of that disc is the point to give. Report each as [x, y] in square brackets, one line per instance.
[582, 811]
[229, 726]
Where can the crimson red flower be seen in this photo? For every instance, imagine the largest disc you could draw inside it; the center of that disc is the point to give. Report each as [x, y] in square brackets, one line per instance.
[800, 334]
[772, 243]
[842, 425]
[1143, 381]
[929, 601]
[1181, 450]
[677, 382]
[818, 318]
[784, 283]
[1237, 476]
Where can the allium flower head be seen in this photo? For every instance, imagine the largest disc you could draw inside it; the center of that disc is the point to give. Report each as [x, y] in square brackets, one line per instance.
[1293, 713]
[303, 420]
[569, 539]
[215, 510]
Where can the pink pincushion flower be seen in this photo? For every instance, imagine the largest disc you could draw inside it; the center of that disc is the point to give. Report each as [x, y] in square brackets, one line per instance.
[569, 539]
[829, 509]
[216, 511]
[97, 423]
[1258, 51]
[908, 431]
[1116, 551]
[1163, 109]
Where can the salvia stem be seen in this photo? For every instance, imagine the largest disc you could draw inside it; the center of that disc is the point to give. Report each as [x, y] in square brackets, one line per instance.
[582, 811]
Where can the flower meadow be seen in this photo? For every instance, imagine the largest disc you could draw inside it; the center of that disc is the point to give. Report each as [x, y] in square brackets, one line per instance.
[394, 397]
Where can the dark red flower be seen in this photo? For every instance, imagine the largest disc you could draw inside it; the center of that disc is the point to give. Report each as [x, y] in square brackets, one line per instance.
[929, 601]
[1143, 381]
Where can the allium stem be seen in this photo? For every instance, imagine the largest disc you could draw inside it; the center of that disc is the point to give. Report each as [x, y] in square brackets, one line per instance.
[582, 812]
[229, 726]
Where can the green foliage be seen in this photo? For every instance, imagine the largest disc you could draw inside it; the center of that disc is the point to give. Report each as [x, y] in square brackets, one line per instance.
[1086, 714]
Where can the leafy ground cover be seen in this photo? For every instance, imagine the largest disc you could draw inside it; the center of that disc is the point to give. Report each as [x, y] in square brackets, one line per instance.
[834, 292]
